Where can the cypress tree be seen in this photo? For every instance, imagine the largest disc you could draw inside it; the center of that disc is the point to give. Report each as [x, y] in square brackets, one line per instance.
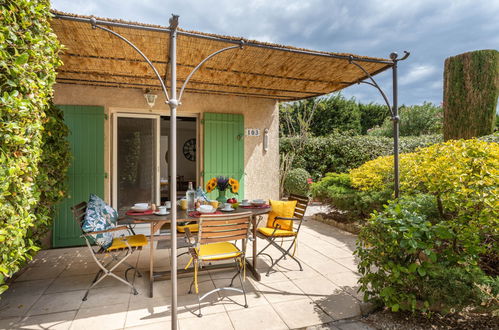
[471, 89]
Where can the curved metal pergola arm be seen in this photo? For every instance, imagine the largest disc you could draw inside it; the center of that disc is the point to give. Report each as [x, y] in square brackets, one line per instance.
[93, 21]
[372, 83]
[203, 62]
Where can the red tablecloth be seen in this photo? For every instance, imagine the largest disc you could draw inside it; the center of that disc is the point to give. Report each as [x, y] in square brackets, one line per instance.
[132, 212]
[264, 206]
[197, 214]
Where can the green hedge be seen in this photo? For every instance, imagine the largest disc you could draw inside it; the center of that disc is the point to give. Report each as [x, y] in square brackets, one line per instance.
[339, 153]
[471, 89]
[28, 60]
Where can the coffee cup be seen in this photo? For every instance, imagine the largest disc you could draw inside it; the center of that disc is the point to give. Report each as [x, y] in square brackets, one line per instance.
[214, 203]
[227, 206]
[162, 210]
[168, 204]
[245, 202]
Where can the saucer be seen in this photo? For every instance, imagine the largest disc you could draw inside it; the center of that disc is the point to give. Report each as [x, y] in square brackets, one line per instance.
[166, 213]
[227, 209]
[245, 204]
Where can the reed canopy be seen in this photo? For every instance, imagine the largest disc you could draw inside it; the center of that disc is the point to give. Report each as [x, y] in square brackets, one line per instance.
[258, 69]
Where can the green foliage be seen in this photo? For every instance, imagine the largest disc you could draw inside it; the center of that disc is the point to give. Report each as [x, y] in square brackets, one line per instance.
[53, 167]
[415, 120]
[372, 115]
[408, 259]
[333, 113]
[296, 182]
[438, 242]
[471, 89]
[336, 189]
[341, 152]
[28, 59]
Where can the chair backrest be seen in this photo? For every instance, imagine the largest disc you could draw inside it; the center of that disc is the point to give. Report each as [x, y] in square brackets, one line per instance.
[79, 211]
[215, 228]
[301, 205]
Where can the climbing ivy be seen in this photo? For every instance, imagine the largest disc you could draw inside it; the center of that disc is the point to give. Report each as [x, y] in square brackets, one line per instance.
[28, 60]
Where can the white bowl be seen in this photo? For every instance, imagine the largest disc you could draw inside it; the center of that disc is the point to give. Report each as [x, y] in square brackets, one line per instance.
[200, 210]
[258, 202]
[141, 205]
[207, 208]
[139, 209]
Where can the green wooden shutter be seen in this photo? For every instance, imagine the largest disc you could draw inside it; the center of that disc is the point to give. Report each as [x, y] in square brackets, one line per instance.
[86, 172]
[224, 148]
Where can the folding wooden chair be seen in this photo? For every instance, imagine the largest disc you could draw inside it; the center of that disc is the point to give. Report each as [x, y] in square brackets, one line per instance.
[121, 248]
[274, 231]
[215, 236]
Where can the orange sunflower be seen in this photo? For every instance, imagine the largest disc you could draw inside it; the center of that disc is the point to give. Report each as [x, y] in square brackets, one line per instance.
[234, 187]
[211, 184]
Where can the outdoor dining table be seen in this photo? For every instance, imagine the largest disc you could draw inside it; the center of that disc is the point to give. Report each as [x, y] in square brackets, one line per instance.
[157, 221]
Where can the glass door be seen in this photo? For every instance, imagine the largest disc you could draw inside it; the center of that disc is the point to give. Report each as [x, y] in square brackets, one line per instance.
[135, 160]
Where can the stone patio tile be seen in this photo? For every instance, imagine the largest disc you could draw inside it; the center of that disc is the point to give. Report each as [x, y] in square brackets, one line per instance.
[41, 273]
[146, 311]
[352, 325]
[349, 263]
[281, 291]
[153, 326]
[106, 296]
[339, 305]
[80, 282]
[9, 322]
[301, 313]
[80, 268]
[346, 281]
[20, 296]
[329, 266]
[317, 287]
[53, 321]
[235, 301]
[101, 317]
[188, 305]
[219, 321]
[57, 302]
[258, 317]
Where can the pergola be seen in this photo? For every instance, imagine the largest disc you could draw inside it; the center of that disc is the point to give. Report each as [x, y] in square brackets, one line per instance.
[115, 53]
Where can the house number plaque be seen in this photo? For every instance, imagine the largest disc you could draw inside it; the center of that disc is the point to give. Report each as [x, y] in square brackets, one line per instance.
[252, 132]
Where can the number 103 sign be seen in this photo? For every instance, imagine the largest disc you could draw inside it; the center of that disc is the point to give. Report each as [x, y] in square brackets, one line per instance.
[252, 132]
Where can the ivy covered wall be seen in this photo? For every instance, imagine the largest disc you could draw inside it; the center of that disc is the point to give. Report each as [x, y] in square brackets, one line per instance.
[28, 60]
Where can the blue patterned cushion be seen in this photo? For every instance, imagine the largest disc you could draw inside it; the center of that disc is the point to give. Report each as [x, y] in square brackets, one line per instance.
[100, 216]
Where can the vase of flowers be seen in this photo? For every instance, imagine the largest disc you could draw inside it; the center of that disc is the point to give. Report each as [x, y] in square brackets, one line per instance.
[222, 184]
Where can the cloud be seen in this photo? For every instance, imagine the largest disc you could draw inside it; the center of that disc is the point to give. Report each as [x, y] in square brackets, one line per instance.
[418, 73]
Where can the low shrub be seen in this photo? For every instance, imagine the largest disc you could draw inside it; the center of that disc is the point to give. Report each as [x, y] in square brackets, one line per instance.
[336, 190]
[296, 182]
[410, 260]
[341, 152]
[415, 120]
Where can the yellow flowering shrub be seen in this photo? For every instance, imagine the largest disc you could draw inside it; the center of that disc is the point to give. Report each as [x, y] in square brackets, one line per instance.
[377, 174]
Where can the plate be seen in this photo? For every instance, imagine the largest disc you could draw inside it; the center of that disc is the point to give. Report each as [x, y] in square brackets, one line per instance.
[157, 213]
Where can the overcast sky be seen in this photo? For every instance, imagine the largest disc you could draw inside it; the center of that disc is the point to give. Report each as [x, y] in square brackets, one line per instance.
[431, 30]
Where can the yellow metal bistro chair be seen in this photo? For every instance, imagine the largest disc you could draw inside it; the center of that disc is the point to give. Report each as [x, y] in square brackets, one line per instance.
[285, 228]
[214, 243]
[120, 249]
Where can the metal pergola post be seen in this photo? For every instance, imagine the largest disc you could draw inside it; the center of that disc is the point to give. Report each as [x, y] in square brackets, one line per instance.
[173, 103]
[393, 110]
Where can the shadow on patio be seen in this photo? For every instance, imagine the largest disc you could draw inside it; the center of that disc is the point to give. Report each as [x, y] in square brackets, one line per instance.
[47, 295]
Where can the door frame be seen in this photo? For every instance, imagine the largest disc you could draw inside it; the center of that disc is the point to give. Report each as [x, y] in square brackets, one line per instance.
[114, 153]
